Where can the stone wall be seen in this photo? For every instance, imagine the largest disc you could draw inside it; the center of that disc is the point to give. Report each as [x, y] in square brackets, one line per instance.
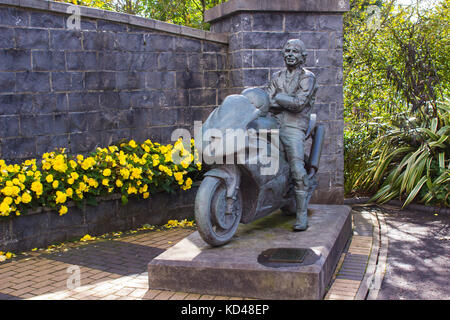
[126, 77]
[258, 32]
[43, 227]
[119, 77]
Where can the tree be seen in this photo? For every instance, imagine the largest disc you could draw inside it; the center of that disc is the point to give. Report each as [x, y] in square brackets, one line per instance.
[396, 67]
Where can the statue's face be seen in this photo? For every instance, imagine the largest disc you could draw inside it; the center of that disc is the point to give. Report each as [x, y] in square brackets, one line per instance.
[293, 55]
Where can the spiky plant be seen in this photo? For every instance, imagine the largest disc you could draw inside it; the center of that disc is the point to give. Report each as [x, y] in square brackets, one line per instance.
[412, 161]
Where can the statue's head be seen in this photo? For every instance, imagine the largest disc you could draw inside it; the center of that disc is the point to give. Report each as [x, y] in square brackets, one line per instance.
[294, 52]
[258, 97]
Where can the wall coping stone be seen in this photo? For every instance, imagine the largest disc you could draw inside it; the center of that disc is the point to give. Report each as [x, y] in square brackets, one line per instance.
[133, 20]
[234, 6]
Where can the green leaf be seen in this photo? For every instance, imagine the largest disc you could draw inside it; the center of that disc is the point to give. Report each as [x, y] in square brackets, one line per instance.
[414, 192]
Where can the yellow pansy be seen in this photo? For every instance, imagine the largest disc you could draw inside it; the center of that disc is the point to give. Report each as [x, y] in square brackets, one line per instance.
[63, 210]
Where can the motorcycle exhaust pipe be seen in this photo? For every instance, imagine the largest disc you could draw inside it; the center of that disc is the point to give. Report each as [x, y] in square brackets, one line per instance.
[316, 147]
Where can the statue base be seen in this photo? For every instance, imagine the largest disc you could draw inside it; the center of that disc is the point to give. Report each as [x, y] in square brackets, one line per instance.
[242, 268]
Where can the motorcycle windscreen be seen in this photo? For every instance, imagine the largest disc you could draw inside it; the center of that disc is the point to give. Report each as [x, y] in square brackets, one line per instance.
[224, 127]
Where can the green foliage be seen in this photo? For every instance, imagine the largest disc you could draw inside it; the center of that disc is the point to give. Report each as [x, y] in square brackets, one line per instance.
[412, 160]
[357, 146]
[396, 68]
[394, 59]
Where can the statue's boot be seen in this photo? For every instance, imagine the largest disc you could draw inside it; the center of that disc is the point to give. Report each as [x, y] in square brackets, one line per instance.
[301, 223]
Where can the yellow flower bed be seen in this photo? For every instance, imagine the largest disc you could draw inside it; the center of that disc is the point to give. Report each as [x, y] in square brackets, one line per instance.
[131, 169]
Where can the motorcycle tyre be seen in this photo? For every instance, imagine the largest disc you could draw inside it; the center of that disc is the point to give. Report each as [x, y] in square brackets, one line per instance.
[203, 215]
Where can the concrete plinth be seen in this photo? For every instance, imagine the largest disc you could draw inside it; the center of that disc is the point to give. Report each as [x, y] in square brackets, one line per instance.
[233, 270]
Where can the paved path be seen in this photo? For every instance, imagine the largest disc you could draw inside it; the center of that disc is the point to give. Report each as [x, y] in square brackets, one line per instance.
[392, 255]
[418, 261]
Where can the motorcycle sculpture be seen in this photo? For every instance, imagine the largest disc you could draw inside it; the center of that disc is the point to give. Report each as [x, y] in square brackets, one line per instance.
[240, 192]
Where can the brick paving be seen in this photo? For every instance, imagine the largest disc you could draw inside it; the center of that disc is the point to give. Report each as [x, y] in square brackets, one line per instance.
[116, 269]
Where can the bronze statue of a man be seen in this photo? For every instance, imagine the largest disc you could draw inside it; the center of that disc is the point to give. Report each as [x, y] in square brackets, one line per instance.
[292, 94]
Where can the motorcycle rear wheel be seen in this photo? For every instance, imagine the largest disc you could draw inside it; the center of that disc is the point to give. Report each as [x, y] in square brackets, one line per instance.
[214, 226]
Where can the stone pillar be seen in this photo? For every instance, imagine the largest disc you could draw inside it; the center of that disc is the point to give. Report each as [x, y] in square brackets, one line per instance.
[257, 31]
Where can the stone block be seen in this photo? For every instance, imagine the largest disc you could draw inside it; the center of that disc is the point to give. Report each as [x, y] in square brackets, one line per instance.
[7, 81]
[329, 58]
[159, 42]
[327, 75]
[130, 80]
[65, 39]
[32, 125]
[330, 22]
[98, 41]
[78, 122]
[202, 97]
[277, 40]
[64, 81]
[163, 116]
[129, 42]
[101, 221]
[6, 38]
[144, 61]
[185, 115]
[140, 118]
[100, 80]
[201, 113]
[114, 136]
[88, 24]
[255, 77]
[30, 226]
[31, 38]
[187, 45]
[103, 25]
[266, 21]
[83, 101]
[235, 42]
[124, 119]
[51, 143]
[254, 40]
[268, 59]
[214, 47]
[18, 148]
[114, 61]
[84, 142]
[46, 103]
[16, 104]
[216, 79]
[81, 61]
[189, 79]
[46, 20]
[33, 82]
[9, 126]
[315, 40]
[296, 22]
[160, 80]
[48, 60]
[15, 60]
[13, 17]
[116, 100]
[242, 22]
[328, 94]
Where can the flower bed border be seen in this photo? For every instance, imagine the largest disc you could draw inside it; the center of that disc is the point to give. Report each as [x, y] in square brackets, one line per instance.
[43, 226]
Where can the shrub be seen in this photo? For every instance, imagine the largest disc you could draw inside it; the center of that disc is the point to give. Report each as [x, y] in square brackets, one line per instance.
[412, 159]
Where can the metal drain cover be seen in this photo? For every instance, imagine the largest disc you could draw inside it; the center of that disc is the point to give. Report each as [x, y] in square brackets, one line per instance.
[283, 255]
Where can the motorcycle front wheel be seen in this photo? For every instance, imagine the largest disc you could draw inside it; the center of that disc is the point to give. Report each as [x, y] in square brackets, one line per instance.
[215, 226]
